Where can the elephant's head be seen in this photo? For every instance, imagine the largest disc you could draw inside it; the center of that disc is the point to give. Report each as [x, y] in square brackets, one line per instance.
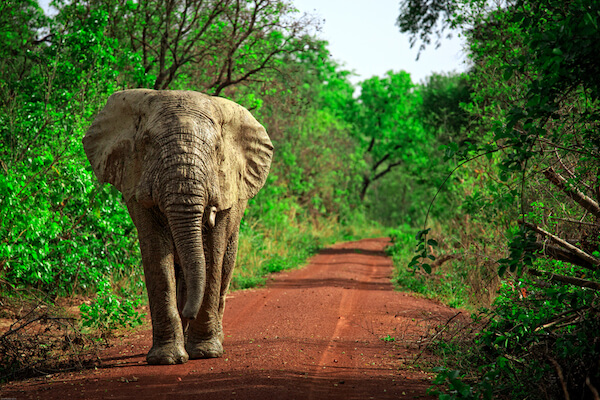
[183, 152]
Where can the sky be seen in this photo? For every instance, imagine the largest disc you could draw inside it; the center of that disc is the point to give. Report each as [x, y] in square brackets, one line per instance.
[363, 38]
[362, 35]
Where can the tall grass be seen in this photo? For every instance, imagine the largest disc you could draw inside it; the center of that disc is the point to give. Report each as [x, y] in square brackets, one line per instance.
[266, 247]
[463, 274]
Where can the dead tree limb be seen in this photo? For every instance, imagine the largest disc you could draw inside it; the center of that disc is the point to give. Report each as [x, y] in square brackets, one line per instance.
[561, 254]
[580, 198]
[442, 259]
[580, 253]
[584, 283]
[574, 221]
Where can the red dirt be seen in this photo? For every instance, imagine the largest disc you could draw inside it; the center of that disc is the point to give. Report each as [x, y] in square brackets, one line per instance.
[314, 333]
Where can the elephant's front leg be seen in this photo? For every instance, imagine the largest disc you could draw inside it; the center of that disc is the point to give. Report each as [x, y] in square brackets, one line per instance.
[156, 246]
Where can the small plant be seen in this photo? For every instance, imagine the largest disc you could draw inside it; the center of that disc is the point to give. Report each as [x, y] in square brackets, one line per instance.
[458, 388]
[388, 338]
[110, 311]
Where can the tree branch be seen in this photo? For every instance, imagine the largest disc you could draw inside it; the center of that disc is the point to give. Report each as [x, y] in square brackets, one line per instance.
[580, 253]
[584, 283]
[388, 169]
[561, 254]
[580, 198]
[384, 158]
[574, 221]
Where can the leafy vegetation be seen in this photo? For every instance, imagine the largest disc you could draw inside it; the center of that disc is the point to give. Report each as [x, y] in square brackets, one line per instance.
[531, 138]
[505, 221]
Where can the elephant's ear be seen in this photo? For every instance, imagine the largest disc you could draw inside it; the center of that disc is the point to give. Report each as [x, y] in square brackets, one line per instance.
[110, 141]
[245, 156]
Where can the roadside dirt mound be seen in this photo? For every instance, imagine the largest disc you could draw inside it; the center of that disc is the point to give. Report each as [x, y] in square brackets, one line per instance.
[314, 333]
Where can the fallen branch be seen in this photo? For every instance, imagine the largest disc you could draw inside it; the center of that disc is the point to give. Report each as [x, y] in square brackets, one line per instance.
[436, 335]
[583, 200]
[565, 319]
[580, 253]
[561, 254]
[440, 260]
[584, 283]
[560, 377]
[574, 221]
[592, 388]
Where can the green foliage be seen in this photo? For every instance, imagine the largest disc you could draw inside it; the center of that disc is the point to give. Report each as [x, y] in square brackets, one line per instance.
[457, 388]
[388, 339]
[316, 162]
[403, 194]
[416, 273]
[422, 18]
[387, 126]
[109, 311]
[54, 238]
[534, 116]
[534, 333]
[444, 99]
[215, 47]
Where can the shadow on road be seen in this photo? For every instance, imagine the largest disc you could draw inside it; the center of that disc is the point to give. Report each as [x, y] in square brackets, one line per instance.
[370, 253]
[330, 282]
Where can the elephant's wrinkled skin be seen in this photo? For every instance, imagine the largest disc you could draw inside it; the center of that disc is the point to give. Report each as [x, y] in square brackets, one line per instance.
[186, 164]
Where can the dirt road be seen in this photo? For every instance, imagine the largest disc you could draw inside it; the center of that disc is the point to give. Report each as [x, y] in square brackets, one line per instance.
[314, 333]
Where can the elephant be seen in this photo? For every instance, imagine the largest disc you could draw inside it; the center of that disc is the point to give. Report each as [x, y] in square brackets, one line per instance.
[186, 164]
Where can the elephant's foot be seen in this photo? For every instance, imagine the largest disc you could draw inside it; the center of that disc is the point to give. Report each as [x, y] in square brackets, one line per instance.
[211, 348]
[167, 354]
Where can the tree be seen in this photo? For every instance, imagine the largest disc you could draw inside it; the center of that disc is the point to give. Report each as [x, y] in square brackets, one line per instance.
[387, 125]
[425, 18]
[52, 83]
[210, 45]
[442, 110]
[536, 106]
[305, 110]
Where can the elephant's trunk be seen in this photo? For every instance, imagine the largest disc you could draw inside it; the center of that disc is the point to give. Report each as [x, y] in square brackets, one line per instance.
[182, 192]
[186, 228]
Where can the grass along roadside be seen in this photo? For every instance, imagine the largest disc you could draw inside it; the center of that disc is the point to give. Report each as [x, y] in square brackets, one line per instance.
[266, 248]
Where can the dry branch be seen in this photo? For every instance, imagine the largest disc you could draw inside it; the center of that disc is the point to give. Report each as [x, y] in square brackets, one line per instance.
[574, 221]
[561, 377]
[584, 283]
[442, 259]
[592, 388]
[571, 191]
[566, 245]
[561, 254]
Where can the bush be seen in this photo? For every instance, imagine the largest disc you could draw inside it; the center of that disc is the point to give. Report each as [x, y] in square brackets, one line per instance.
[109, 311]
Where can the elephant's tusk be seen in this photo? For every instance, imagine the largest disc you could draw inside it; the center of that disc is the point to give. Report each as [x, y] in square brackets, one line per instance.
[213, 216]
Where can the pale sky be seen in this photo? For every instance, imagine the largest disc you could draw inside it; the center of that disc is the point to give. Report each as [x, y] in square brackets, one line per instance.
[362, 35]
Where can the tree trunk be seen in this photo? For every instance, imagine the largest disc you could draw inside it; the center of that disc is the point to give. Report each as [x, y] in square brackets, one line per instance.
[365, 186]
